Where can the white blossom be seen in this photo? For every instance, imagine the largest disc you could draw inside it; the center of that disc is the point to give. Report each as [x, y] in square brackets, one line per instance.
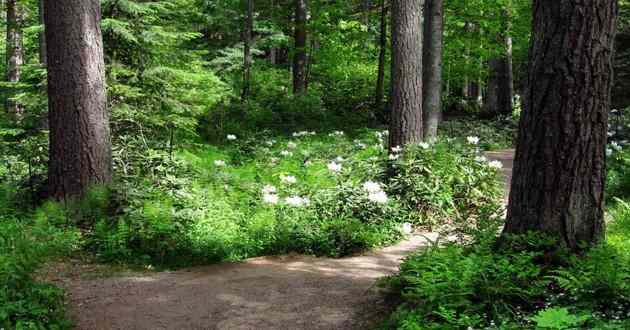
[609, 152]
[334, 167]
[231, 137]
[379, 197]
[296, 201]
[291, 145]
[407, 228]
[495, 164]
[269, 189]
[615, 146]
[372, 187]
[397, 149]
[339, 159]
[393, 157]
[219, 163]
[472, 140]
[481, 159]
[270, 142]
[290, 179]
[286, 153]
[424, 145]
[271, 199]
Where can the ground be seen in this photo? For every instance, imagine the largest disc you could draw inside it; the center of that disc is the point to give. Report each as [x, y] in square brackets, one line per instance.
[284, 292]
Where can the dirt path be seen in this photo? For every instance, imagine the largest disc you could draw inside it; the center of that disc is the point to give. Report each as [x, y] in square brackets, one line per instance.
[289, 292]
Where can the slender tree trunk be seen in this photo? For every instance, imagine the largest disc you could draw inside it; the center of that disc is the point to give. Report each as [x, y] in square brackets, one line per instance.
[15, 54]
[247, 52]
[507, 99]
[496, 70]
[432, 67]
[299, 57]
[406, 121]
[80, 149]
[559, 173]
[380, 80]
[42, 35]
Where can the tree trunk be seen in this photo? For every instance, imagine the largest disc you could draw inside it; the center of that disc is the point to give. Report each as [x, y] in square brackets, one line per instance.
[406, 119]
[559, 173]
[432, 67]
[507, 98]
[380, 80]
[42, 35]
[247, 52]
[15, 54]
[80, 149]
[299, 57]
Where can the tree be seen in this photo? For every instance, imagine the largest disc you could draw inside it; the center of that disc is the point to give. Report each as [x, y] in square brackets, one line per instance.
[299, 56]
[80, 149]
[42, 35]
[380, 80]
[432, 67]
[15, 53]
[247, 52]
[500, 86]
[559, 173]
[406, 89]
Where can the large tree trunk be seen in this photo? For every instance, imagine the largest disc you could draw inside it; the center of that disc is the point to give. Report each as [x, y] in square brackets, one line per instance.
[559, 173]
[42, 34]
[500, 85]
[80, 149]
[406, 119]
[15, 53]
[380, 79]
[432, 67]
[247, 52]
[299, 57]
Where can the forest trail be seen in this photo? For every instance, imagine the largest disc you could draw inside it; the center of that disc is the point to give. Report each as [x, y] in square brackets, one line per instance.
[283, 292]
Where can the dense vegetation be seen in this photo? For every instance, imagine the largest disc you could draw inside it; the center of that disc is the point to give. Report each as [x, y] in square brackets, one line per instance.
[211, 164]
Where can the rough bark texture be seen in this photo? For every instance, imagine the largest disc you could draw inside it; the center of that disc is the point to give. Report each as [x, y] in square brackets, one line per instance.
[299, 57]
[380, 80]
[247, 51]
[500, 87]
[15, 53]
[432, 67]
[559, 173]
[42, 34]
[406, 90]
[80, 149]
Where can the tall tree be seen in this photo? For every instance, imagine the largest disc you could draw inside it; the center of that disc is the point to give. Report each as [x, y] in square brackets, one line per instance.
[380, 80]
[432, 67]
[247, 51]
[299, 56]
[42, 35]
[559, 172]
[406, 89]
[15, 53]
[500, 85]
[80, 149]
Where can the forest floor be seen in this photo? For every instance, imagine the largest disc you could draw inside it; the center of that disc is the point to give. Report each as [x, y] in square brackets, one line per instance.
[279, 292]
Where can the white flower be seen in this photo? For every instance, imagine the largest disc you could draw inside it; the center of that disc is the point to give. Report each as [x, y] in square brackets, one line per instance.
[610, 134]
[615, 146]
[271, 198]
[231, 137]
[609, 152]
[336, 133]
[495, 164]
[290, 179]
[393, 157]
[296, 201]
[379, 197]
[286, 153]
[291, 145]
[373, 159]
[269, 189]
[372, 187]
[386, 132]
[334, 167]
[312, 133]
[424, 145]
[407, 228]
[481, 159]
[339, 159]
[397, 149]
[361, 145]
[472, 140]
[219, 163]
[270, 142]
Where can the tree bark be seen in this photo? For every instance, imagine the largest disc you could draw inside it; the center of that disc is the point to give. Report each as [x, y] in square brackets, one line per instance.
[247, 52]
[380, 79]
[559, 173]
[80, 149]
[406, 90]
[42, 35]
[299, 57]
[432, 67]
[15, 54]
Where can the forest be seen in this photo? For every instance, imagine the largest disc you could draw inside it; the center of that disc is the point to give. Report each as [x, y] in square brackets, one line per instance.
[322, 164]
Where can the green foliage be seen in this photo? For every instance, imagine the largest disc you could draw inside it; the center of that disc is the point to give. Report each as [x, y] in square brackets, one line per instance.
[493, 134]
